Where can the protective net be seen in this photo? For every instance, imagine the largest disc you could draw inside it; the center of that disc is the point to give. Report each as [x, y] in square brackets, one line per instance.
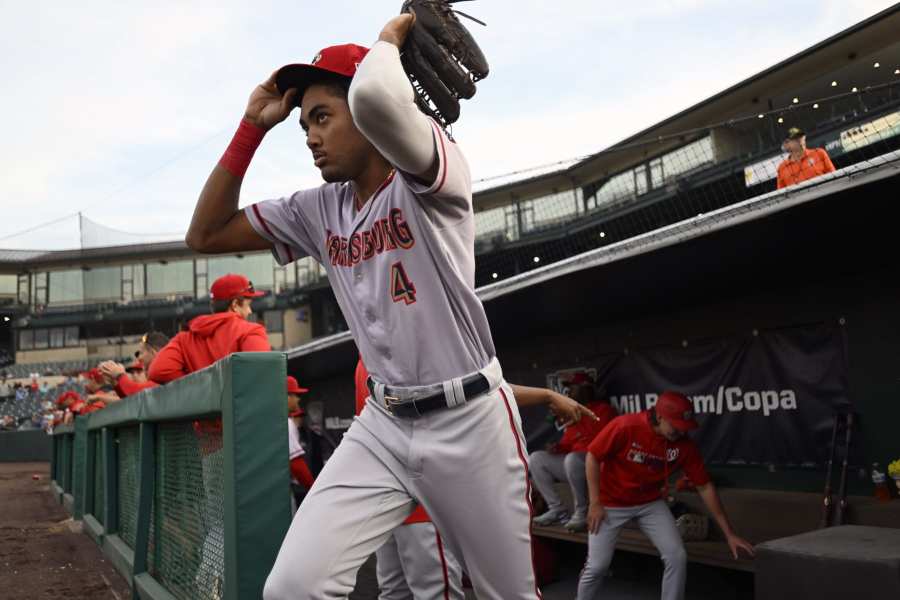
[127, 441]
[96, 439]
[187, 541]
[647, 184]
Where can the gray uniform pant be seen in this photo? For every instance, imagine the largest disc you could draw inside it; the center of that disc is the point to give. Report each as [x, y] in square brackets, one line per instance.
[656, 521]
[547, 468]
[414, 565]
[466, 465]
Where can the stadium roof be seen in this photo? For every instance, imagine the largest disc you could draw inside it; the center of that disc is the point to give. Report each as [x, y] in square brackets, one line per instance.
[771, 88]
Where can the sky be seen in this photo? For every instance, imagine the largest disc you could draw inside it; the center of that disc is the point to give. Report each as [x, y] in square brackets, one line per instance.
[119, 110]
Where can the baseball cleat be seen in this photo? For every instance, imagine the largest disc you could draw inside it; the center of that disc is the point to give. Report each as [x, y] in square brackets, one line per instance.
[551, 517]
[577, 523]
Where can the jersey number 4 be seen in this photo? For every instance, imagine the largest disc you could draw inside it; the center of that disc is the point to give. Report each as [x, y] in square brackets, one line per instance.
[402, 289]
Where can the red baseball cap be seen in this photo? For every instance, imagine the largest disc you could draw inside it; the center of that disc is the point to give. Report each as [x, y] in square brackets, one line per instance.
[293, 387]
[232, 286]
[330, 62]
[677, 410]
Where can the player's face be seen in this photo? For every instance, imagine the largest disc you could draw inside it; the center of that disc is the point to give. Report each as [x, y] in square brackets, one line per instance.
[242, 306]
[668, 431]
[338, 148]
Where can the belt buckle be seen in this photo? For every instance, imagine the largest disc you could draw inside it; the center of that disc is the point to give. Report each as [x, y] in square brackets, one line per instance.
[389, 401]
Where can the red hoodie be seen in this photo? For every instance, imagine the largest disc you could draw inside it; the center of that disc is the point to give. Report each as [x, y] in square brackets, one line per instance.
[209, 338]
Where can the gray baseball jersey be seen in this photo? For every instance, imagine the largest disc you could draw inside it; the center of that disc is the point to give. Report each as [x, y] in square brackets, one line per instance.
[402, 268]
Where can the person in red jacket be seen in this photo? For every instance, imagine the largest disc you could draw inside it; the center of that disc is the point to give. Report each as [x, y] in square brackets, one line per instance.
[628, 468]
[126, 385]
[566, 459]
[215, 336]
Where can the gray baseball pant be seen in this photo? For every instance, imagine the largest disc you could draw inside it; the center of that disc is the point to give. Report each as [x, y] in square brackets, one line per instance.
[414, 565]
[548, 468]
[656, 521]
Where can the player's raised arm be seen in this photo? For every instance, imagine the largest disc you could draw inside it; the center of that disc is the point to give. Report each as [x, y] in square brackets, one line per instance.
[383, 106]
[218, 225]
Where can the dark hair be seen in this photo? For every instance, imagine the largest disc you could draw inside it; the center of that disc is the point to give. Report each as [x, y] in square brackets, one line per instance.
[220, 306]
[155, 339]
[337, 84]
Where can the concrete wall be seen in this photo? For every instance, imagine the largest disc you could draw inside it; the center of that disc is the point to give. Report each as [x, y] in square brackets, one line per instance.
[297, 326]
[25, 357]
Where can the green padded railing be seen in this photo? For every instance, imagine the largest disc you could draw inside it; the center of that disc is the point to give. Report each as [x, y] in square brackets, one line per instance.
[186, 486]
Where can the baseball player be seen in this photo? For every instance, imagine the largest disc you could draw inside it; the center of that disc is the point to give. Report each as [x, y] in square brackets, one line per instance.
[565, 461]
[394, 228]
[301, 476]
[637, 453]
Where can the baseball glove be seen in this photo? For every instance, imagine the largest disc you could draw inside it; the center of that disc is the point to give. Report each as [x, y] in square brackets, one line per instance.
[441, 58]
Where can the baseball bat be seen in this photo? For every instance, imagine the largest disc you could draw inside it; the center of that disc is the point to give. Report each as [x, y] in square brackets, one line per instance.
[841, 515]
[827, 501]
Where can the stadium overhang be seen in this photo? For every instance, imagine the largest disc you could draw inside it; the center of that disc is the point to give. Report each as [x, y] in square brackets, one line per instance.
[17, 261]
[845, 58]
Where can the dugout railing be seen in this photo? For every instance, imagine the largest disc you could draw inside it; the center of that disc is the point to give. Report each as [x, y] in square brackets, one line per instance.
[185, 487]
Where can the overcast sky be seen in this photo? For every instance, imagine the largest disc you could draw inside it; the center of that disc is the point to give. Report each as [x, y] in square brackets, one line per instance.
[120, 109]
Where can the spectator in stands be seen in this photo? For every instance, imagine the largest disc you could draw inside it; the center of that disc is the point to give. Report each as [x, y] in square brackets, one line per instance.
[801, 163]
[131, 383]
[565, 460]
[628, 468]
[6, 390]
[211, 337]
[21, 393]
[8, 423]
[301, 476]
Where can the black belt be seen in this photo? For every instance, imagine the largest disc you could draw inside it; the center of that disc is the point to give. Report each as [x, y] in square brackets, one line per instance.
[473, 386]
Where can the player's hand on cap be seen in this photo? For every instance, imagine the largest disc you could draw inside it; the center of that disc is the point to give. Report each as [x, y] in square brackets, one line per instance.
[267, 107]
[568, 411]
[396, 30]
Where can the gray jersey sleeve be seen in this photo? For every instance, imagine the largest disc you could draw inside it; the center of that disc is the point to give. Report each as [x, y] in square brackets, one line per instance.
[288, 224]
[449, 199]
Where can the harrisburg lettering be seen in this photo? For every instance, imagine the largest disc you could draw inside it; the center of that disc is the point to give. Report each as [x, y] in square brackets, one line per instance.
[386, 235]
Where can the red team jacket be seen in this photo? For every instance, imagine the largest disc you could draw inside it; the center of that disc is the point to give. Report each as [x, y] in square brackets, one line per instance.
[209, 338]
[637, 461]
[126, 386]
[362, 392]
[578, 436]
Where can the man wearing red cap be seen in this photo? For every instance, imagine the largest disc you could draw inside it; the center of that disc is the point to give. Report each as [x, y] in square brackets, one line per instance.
[215, 336]
[637, 453]
[565, 461]
[393, 227]
[301, 476]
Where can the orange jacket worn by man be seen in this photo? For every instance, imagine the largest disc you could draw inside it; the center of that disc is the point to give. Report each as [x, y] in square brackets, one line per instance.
[802, 163]
[215, 336]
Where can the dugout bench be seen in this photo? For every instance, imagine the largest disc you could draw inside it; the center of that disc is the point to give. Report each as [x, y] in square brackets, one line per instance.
[756, 515]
